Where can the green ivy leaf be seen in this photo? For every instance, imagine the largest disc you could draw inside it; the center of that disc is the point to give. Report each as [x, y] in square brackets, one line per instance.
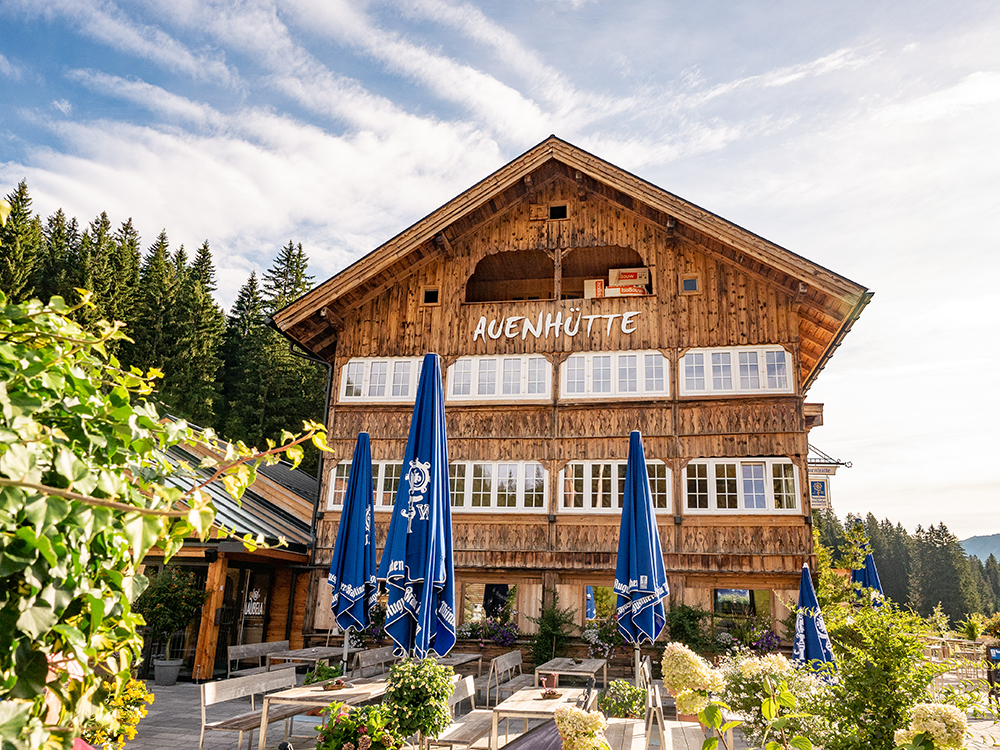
[142, 533]
[36, 620]
[14, 715]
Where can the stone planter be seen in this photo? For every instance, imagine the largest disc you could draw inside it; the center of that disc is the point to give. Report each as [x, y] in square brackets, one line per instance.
[166, 670]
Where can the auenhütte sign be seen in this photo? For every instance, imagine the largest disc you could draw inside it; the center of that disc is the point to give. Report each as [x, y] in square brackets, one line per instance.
[514, 325]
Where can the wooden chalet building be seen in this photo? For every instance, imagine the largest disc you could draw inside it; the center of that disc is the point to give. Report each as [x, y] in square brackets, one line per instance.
[709, 355]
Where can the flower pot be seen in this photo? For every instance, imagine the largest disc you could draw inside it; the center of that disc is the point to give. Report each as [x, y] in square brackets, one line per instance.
[166, 670]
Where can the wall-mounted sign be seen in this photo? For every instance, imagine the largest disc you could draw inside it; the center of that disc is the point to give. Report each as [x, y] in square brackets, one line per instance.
[513, 326]
[255, 603]
[818, 493]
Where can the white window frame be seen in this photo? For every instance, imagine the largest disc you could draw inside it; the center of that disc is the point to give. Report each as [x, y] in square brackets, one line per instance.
[498, 395]
[616, 393]
[464, 504]
[391, 364]
[617, 487]
[734, 353]
[741, 509]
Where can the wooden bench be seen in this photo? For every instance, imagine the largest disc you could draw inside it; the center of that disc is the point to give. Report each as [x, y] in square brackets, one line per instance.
[374, 658]
[258, 651]
[466, 728]
[505, 676]
[240, 687]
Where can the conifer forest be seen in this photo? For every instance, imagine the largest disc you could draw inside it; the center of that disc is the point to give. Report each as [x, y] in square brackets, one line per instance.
[231, 373]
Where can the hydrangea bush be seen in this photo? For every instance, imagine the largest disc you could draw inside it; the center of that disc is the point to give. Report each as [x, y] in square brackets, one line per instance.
[690, 678]
[745, 676]
[945, 725]
[581, 730]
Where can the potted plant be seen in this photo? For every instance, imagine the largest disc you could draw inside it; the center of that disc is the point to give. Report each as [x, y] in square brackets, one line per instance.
[169, 604]
[364, 728]
[418, 695]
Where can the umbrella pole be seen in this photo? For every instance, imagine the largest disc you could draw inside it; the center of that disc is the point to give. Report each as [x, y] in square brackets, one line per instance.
[343, 660]
[637, 664]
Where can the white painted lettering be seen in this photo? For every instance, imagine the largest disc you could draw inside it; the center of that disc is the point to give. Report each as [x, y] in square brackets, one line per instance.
[499, 332]
[566, 326]
[590, 322]
[480, 329]
[536, 331]
[611, 320]
[627, 321]
[550, 326]
[508, 330]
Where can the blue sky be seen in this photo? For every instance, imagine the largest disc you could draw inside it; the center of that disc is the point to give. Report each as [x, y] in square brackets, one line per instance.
[862, 135]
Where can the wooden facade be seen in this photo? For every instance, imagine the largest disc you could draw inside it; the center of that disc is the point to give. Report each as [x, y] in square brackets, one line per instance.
[498, 272]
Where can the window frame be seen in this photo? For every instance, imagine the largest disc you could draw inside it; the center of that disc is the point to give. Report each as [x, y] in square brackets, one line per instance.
[711, 470]
[735, 367]
[616, 392]
[519, 473]
[391, 363]
[525, 370]
[617, 487]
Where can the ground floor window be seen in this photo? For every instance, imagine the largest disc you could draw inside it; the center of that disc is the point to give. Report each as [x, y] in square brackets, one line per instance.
[744, 615]
[600, 485]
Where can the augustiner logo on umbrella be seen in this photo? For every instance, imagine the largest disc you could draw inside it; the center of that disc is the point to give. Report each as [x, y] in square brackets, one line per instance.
[418, 477]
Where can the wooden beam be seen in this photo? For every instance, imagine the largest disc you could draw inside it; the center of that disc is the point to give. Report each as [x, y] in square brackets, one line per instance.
[208, 632]
[441, 240]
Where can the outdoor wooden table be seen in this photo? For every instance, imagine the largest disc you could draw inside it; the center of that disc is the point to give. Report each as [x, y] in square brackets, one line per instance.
[566, 666]
[311, 655]
[456, 660]
[528, 703]
[314, 696]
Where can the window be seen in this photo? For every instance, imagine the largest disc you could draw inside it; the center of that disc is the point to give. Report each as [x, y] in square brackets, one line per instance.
[487, 377]
[756, 370]
[511, 376]
[600, 486]
[627, 374]
[392, 379]
[614, 374]
[376, 382]
[694, 372]
[499, 378]
[456, 474]
[391, 474]
[338, 485]
[756, 485]
[534, 486]
[431, 296]
[783, 479]
[498, 486]
[401, 378]
[690, 283]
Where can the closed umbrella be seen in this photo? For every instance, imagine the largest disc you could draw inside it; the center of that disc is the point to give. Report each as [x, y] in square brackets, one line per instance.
[591, 607]
[812, 647]
[417, 562]
[868, 578]
[640, 579]
[352, 570]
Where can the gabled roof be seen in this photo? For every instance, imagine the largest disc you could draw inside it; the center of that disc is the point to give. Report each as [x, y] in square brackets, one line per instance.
[827, 303]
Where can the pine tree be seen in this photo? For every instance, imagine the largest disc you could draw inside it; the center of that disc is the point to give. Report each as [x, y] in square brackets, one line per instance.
[20, 246]
[246, 367]
[191, 384]
[286, 280]
[54, 272]
[154, 331]
[204, 267]
[94, 267]
[124, 268]
[992, 571]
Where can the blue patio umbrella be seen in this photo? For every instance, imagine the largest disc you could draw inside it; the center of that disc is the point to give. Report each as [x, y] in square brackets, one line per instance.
[640, 579]
[352, 570]
[812, 647]
[591, 608]
[868, 578]
[417, 562]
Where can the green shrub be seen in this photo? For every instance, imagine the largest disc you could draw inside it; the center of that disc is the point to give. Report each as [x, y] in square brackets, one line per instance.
[882, 676]
[418, 695]
[553, 635]
[322, 672]
[623, 700]
[688, 626]
[368, 727]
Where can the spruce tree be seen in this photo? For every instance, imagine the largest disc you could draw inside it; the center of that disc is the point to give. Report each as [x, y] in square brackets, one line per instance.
[20, 246]
[124, 268]
[94, 267]
[992, 571]
[287, 279]
[154, 332]
[54, 271]
[246, 367]
[204, 267]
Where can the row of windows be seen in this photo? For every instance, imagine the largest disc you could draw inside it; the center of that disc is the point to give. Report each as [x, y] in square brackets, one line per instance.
[629, 374]
[710, 486]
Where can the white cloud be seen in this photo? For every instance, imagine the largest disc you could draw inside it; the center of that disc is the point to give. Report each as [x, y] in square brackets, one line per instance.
[9, 69]
[63, 106]
[973, 91]
[107, 23]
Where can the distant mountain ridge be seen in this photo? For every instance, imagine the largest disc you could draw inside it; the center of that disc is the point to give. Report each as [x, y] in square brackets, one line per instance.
[982, 546]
